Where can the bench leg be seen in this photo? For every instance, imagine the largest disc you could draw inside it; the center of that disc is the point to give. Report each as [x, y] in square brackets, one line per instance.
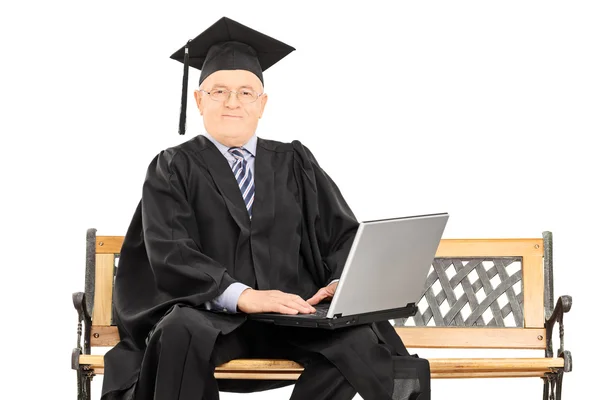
[553, 385]
[559, 378]
[84, 385]
[84, 376]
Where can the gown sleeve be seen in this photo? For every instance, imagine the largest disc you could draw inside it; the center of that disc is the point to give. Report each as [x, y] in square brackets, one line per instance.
[335, 225]
[171, 235]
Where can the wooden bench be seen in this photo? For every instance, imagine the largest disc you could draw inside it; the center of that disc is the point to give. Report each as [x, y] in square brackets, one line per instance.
[480, 294]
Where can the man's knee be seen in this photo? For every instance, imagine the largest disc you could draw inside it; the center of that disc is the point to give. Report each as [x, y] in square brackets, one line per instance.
[176, 325]
[362, 334]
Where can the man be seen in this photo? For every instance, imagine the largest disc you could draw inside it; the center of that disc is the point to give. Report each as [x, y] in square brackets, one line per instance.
[228, 225]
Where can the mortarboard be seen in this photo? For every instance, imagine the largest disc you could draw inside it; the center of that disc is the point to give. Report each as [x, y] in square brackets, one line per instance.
[227, 45]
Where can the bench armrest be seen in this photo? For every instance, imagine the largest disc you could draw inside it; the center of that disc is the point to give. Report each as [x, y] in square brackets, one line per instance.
[83, 316]
[563, 305]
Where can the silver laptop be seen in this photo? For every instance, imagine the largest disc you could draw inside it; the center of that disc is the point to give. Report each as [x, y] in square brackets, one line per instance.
[383, 277]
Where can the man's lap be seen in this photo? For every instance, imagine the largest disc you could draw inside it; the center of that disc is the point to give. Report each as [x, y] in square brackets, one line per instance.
[261, 340]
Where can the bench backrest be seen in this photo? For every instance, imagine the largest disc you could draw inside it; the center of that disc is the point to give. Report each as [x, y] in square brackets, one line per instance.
[480, 293]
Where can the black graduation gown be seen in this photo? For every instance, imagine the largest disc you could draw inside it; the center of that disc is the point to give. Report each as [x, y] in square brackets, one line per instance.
[191, 237]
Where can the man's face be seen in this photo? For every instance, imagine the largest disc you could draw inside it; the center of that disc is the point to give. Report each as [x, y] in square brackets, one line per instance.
[230, 120]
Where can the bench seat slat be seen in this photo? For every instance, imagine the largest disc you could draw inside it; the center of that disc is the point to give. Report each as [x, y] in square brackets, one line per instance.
[440, 367]
[434, 375]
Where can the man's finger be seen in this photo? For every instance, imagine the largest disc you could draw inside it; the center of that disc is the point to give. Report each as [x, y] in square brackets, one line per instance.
[283, 309]
[297, 306]
[313, 301]
[304, 304]
[301, 305]
[316, 298]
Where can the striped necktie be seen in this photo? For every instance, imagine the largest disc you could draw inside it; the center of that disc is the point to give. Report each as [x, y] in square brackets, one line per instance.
[243, 176]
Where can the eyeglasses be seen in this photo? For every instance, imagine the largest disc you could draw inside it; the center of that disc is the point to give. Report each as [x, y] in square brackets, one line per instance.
[245, 96]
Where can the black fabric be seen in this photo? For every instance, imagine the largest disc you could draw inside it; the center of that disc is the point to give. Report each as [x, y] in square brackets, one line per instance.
[230, 56]
[191, 237]
[412, 378]
[180, 360]
[247, 49]
[178, 347]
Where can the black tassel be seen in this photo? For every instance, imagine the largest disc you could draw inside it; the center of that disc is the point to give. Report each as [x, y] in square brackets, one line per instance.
[184, 89]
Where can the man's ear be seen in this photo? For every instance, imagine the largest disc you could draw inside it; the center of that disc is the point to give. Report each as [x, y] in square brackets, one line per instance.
[199, 104]
[263, 100]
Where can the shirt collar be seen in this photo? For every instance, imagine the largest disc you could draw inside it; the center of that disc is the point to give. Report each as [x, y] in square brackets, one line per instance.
[250, 145]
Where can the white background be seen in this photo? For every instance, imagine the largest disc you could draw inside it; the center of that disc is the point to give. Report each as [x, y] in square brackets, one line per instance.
[486, 110]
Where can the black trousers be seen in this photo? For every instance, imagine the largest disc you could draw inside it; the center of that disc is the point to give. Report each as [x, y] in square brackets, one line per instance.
[181, 357]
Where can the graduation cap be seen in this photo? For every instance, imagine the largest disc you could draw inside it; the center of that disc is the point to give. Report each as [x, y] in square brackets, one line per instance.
[227, 45]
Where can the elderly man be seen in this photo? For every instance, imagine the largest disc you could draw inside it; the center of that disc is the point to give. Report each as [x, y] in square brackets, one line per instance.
[229, 225]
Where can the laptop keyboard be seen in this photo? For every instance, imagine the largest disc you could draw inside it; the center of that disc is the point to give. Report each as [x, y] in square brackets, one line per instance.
[321, 312]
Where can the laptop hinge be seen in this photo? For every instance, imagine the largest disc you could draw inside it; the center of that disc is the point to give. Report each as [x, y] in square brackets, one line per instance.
[337, 315]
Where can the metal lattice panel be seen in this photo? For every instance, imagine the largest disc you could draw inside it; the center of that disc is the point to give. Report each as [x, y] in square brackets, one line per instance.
[471, 292]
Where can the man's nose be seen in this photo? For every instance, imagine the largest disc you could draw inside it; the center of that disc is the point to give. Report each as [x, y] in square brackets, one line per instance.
[232, 100]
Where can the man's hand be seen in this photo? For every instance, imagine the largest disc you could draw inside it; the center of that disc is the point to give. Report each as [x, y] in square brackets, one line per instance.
[325, 293]
[256, 301]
